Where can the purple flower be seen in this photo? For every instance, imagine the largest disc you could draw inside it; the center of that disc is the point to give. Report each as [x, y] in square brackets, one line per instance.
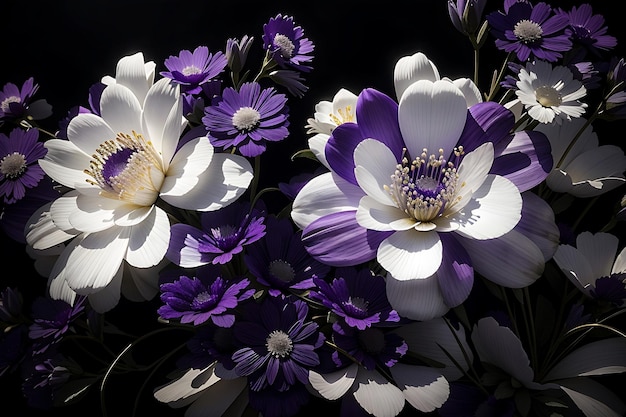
[280, 261]
[223, 233]
[20, 153]
[95, 92]
[192, 69]
[291, 80]
[588, 29]
[278, 344]
[203, 297]
[357, 296]
[370, 347]
[52, 319]
[47, 377]
[529, 30]
[16, 103]
[610, 289]
[237, 52]
[466, 15]
[616, 102]
[247, 119]
[287, 44]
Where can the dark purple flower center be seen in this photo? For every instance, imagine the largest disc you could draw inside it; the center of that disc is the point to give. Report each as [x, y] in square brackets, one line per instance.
[282, 270]
[582, 34]
[13, 165]
[116, 164]
[372, 340]
[225, 237]
[355, 307]
[279, 344]
[611, 289]
[203, 301]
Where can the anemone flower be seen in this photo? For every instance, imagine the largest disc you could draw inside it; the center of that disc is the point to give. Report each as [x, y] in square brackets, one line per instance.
[192, 69]
[117, 166]
[286, 43]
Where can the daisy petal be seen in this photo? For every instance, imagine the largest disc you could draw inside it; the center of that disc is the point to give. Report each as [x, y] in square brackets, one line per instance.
[377, 395]
[423, 387]
[411, 254]
[333, 385]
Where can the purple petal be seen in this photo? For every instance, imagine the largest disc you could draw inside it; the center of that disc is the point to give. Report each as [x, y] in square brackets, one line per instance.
[455, 275]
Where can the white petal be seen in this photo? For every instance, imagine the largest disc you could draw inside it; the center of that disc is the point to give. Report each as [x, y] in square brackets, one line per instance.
[423, 387]
[411, 254]
[377, 216]
[410, 69]
[434, 339]
[325, 194]
[149, 240]
[317, 144]
[218, 398]
[191, 160]
[416, 299]
[92, 264]
[377, 395]
[431, 115]
[333, 385]
[65, 163]
[470, 91]
[87, 131]
[601, 357]
[187, 385]
[90, 213]
[472, 172]
[121, 110]
[42, 233]
[105, 299]
[162, 115]
[134, 73]
[226, 179]
[620, 263]
[374, 164]
[141, 284]
[599, 249]
[494, 209]
[593, 398]
[575, 266]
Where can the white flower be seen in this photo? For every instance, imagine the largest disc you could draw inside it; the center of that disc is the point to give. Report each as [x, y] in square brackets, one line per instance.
[594, 257]
[587, 170]
[550, 94]
[118, 165]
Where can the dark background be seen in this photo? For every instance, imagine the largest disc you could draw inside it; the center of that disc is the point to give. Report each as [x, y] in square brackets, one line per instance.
[67, 45]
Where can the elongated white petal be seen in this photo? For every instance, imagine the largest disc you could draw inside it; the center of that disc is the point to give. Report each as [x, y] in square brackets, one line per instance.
[317, 144]
[87, 131]
[149, 240]
[191, 160]
[91, 214]
[377, 395]
[377, 216]
[431, 115]
[42, 233]
[187, 384]
[423, 387]
[333, 385]
[325, 194]
[494, 209]
[141, 284]
[136, 74]
[162, 112]
[575, 266]
[601, 357]
[65, 163]
[592, 398]
[470, 91]
[472, 173]
[121, 110]
[105, 299]
[375, 163]
[416, 299]
[412, 68]
[620, 263]
[411, 254]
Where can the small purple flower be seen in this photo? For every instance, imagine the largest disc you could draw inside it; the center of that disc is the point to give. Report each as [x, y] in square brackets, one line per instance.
[52, 320]
[529, 30]
[237, 52]
[588, 29]
[358, 297]
[278, 343]
[48, 375]
[280, 261]
[20, 153]
[203, 297]
[610, 289]
[291, 80]
[371, 347]
[247, 119]
[16, 103]
[192, 69]
[223, 233]
[466, 15]
[287, 44]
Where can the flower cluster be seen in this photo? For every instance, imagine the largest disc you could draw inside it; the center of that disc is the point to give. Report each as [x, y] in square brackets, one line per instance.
[439, 259]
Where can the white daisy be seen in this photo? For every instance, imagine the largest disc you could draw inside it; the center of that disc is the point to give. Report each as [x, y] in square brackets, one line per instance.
[119, 165]
[550, 94]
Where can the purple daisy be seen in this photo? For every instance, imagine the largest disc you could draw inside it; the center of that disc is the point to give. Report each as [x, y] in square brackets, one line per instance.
[287, 44]
[278, 344]
[52, 319]
[280, 261]
[370, 348]
[528, 30]
[20, 153]
[222, 235]
[588, 29]
[192, 69]
[202, 297]
[611, 289]
[357, 296]
[16, 103]
[247, 118]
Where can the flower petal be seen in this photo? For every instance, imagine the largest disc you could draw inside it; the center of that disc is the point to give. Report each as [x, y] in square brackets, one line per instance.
[416, 299]
[601, 357]
[374, 166]
[411, 254]
[377, 395]
[423, 387]
[333, 385]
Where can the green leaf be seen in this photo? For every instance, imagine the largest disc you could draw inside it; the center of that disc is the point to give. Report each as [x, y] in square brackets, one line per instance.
[304, 153]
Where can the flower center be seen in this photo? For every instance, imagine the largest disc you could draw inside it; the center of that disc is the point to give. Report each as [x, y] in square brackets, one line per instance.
[246, 119]
[372, 340]
[343, 116]
[13, 165]
[203, 300]
[356, 306]
[279, 344]
[192, 70]
[527, 31]
[9, 100]
[284, 44]
[127, 168]
[282, 270]
[424, 187]
[548, 96]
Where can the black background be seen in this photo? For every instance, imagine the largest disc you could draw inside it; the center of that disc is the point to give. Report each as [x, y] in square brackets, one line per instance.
[67, 45]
